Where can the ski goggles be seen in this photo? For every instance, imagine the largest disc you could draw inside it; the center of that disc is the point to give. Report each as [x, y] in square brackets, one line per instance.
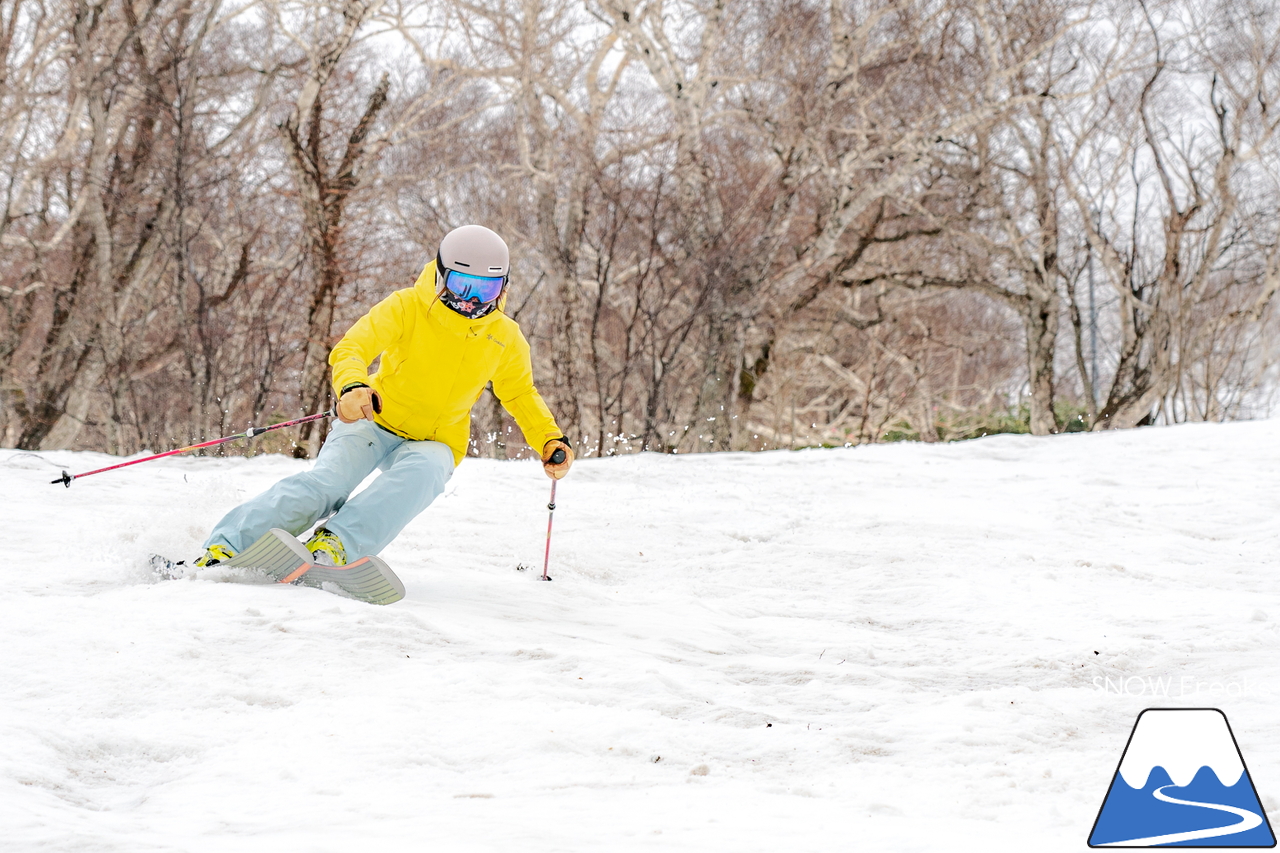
[467, 287]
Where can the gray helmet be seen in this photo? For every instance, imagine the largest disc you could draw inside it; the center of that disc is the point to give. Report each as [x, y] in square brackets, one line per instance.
[471, 270]
[474, 250]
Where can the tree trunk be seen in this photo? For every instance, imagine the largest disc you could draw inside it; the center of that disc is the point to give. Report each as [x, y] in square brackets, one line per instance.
[324, 192]
[1042, 334]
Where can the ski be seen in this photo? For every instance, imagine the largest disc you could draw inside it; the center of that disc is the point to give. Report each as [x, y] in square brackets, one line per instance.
[283, 559]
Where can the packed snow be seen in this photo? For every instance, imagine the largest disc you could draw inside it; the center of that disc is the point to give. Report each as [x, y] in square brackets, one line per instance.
[893, 647]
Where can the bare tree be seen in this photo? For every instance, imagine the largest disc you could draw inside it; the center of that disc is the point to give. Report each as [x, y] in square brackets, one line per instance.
[324, 186]
[733, 225]
[97, 209]
[1182, 225]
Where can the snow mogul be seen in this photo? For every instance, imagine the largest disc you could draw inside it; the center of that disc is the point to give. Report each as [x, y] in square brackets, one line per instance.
[441, 342]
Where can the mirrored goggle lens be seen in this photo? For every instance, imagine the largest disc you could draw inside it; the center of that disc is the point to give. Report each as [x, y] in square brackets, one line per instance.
[473, 286]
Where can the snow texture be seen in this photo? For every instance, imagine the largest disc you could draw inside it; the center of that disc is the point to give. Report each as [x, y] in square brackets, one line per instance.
[895, 647]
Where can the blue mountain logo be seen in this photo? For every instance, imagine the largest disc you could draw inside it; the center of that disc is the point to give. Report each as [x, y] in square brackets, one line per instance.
[1181, 783]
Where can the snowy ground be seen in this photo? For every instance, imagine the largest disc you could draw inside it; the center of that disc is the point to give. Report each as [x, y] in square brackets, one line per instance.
[901, 647]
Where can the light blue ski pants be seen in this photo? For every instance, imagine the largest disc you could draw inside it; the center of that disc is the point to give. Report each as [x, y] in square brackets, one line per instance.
[414, 474]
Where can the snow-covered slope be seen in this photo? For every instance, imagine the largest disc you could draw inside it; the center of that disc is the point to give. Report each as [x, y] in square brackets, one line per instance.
[899, 647]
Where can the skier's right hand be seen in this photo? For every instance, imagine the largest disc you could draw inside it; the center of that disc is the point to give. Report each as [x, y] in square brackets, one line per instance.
[557, 467]
[356, 403]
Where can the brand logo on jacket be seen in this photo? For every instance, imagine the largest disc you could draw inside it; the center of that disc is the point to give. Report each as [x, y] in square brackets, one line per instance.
[496, 341]
[1181, 782]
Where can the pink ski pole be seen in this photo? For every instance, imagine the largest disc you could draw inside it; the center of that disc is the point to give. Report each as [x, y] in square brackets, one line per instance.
[556, 458]
[66, 478]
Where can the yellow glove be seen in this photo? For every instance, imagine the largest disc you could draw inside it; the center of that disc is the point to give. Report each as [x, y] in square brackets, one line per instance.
[356, 403]
[556, 470]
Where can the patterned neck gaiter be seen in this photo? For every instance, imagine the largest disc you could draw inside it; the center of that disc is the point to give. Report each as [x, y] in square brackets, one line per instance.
[470, 308]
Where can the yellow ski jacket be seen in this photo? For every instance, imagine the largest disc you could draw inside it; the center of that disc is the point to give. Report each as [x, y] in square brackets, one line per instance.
[435, 364]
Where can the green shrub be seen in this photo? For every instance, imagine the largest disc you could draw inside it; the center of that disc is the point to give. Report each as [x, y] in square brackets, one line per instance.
[1071, 417]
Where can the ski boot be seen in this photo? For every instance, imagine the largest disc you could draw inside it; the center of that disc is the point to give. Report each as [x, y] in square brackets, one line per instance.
[168, 570]
[214, 555]
[326, 548]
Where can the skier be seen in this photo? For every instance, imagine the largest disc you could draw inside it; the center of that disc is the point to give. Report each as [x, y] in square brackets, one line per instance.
[441, 341]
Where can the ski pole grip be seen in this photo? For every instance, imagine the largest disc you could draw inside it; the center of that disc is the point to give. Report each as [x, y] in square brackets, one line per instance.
[557, 457]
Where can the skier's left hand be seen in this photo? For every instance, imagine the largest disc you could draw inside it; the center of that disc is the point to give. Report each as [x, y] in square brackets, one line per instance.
[556, 470]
